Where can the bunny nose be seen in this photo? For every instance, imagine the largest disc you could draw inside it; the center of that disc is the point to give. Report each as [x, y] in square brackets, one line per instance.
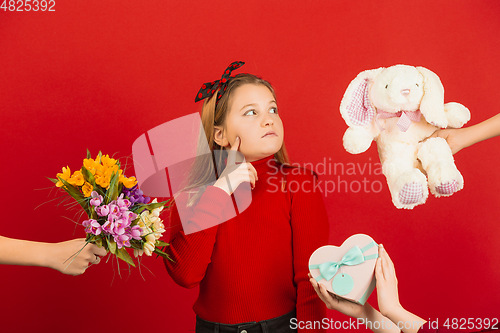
[405, 92]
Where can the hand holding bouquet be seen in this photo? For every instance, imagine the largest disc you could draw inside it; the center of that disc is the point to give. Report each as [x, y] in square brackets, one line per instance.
[119, 216]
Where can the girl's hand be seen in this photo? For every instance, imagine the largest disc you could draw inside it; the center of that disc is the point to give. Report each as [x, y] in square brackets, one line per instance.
[235, 174]
[60, 255]
[333, 303]
[387, 284]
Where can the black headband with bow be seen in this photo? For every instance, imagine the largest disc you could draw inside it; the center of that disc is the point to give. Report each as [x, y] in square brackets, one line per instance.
[208, 89]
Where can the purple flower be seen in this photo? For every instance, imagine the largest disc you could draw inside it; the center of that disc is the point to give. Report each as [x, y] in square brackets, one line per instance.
[92, 227]
[102, 210]
[122, 240]
[96, 199]
[135, 195]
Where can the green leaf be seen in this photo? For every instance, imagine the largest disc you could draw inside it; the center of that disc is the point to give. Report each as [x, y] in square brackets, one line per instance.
[52, 180]
[112, 192]
[76, 194]
[162, 254]
[123, 255]
[88, 176]
[151, 206]
[160, 243]
[111, 246]
[136, 244]
[88, 154]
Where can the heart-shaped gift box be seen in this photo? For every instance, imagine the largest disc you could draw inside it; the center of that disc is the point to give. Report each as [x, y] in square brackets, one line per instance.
[347, 271]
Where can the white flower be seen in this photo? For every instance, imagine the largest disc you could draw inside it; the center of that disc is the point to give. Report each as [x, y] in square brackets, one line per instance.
[152, 229]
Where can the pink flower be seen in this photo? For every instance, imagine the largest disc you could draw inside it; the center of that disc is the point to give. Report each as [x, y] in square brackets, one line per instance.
[113, 217]
[96, 199]
[120, 225]
[114, 209]
[122, 240]
[108, 227]
[124, 204]
[136, 232]
[92, 227]
[102, 210]
[129, 215]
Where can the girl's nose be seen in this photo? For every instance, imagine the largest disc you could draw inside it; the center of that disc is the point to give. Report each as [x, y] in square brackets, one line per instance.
[268, 120]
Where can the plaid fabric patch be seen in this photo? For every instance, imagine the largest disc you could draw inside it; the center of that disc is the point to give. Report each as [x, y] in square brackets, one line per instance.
[411, 193]
[360, 110]
[448, 188]
[405, 118]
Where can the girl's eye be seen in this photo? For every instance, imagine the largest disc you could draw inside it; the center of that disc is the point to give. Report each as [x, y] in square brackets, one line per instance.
[275, 110]
[250, 111]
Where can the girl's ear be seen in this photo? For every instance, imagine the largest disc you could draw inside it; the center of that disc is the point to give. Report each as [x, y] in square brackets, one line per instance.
[220, 136]
[356, 108]
[432, 103]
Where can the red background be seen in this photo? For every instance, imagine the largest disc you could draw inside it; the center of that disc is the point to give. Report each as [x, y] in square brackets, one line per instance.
[97, 75]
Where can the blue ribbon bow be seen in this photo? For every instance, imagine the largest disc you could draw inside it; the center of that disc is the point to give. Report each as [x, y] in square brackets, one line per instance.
[353, 257]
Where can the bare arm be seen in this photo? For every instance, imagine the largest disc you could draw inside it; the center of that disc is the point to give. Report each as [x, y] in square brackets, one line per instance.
[52, 255]
[388, 297]
[365, 314]
[464, 137]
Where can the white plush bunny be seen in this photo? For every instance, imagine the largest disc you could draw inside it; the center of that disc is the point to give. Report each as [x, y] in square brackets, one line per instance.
[398, 107]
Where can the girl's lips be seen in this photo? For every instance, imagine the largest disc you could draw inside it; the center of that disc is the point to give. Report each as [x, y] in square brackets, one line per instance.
[270, 134]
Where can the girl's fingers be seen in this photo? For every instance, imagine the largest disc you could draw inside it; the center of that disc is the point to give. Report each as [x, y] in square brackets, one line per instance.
[252, 169]
[231, 154]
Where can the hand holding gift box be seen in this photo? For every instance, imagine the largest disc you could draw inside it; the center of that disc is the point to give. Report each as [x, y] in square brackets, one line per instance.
[347, 271]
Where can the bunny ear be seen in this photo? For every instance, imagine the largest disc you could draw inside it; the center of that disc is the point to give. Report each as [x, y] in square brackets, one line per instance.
[432, 103]
[356, 108]
[360, 110]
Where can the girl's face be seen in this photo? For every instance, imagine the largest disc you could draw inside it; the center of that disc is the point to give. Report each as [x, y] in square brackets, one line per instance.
[252, 113]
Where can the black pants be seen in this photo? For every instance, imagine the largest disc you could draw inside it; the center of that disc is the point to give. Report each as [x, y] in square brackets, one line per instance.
[275, 325]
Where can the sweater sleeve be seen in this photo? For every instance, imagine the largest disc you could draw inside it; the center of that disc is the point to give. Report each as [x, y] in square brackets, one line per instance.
[191, 253]
[310, 230]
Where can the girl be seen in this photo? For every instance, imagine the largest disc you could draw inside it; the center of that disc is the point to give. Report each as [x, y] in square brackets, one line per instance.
[252, 269]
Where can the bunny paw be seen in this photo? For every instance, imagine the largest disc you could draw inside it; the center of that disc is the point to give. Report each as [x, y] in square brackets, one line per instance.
[411, 193]
[447, 188]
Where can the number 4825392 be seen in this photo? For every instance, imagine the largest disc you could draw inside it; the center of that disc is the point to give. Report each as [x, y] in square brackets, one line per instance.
[28, 5]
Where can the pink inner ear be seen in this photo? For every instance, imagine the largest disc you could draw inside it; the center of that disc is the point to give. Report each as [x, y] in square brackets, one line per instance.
[360, 110]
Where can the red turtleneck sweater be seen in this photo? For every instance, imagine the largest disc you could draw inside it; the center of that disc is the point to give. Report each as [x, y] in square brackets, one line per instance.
[254, 266]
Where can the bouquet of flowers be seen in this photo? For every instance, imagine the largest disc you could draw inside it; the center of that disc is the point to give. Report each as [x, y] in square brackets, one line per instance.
[119, 215]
